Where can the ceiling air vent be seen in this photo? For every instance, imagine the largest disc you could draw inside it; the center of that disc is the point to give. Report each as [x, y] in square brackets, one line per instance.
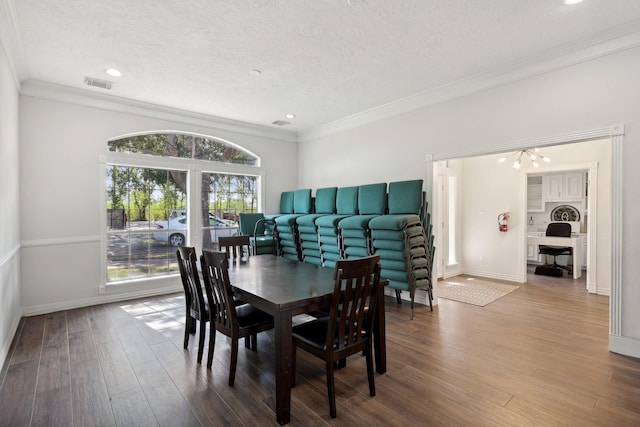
[281, 123]
[103, 84]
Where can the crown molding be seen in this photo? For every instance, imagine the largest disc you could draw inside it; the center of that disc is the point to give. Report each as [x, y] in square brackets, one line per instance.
[609, 42]
[11, 43]
[584, 135]
[70, 95]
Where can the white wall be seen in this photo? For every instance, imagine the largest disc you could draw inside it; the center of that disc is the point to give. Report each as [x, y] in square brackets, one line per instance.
[10, 211]
[61, 142]
[487, 190]
[590, 95]
[501, 190]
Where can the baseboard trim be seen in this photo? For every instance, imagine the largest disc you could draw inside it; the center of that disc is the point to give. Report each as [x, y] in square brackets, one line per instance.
[103, 299]
[626, 346]
[493, 275]
[420, 297]
[6, 346]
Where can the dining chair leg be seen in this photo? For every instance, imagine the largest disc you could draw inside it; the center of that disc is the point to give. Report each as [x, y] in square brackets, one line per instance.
[192, 329]
[203, 330]
[254, 342]
[234, 362]
[212, 345]
[370, 376]
[247, 342]
[187, 331]
[331, 389]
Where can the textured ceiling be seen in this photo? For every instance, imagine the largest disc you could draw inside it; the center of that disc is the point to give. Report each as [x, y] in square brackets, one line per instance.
[322, 60]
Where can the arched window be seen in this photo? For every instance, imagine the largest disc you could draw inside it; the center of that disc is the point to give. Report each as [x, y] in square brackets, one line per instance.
[185, 146]
[167, 189]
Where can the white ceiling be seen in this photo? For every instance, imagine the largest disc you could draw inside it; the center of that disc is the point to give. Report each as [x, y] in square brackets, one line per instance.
[323, 60]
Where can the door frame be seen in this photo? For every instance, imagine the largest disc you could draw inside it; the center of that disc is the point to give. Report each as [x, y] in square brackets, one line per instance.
[617, 342]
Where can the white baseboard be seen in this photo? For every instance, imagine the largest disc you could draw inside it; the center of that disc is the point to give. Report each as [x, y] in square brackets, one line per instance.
[102, 299]
[6, 346]
[420, 298]
[493, 275]
[626, 346]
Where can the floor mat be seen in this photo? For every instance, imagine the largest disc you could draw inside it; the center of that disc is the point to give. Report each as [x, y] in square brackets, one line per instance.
[472, 290]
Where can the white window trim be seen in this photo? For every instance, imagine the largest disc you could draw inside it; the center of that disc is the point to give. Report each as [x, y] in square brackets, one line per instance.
[191, 166]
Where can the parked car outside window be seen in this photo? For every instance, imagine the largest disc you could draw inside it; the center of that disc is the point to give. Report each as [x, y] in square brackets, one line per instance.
[176, 230]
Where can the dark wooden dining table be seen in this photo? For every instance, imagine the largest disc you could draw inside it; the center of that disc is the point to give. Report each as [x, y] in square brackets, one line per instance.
[285, 288]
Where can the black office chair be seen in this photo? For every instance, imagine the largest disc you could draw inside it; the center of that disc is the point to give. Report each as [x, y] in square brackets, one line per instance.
[557, 229]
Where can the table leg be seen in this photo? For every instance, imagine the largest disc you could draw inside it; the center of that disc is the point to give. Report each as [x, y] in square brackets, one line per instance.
[379, 335]
[284, 375]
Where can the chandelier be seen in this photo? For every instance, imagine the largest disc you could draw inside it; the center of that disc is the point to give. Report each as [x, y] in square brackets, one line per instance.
[532, 155]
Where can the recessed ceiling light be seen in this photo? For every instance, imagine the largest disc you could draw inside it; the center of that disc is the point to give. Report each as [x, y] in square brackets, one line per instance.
[291, 116]
[570, 2]
[113, 72]
[255, 73]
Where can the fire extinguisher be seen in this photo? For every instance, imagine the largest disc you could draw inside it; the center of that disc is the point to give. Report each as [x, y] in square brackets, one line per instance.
[503, 219]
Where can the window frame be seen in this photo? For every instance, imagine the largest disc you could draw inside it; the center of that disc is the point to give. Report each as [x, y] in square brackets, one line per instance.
[194, 169]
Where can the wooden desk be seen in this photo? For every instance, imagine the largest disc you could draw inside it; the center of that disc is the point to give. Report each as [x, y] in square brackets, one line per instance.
[576, 243]
[285, 288]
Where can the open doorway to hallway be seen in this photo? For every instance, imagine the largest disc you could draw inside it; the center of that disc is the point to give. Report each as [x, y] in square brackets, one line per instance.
[486, 188]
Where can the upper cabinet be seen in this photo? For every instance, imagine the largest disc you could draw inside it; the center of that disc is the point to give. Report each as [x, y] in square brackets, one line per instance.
[563, 187]
[535, 201]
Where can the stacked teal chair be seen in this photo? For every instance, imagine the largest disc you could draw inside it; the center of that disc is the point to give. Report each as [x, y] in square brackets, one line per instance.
[402, 243]
[328, 231]
[260, 231]
[286, 208]
[354, 230]
[287, 228]
[325, 204]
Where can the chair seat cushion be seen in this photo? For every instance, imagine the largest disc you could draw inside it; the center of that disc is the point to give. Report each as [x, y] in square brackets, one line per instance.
[555, 250]
[392, 222]
[360, 222]
[288, 219]
[249, 316]
[309, 219]
[330, 221]
[313, 333]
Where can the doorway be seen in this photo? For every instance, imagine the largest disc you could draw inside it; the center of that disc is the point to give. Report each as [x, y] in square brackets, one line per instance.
[488, 188]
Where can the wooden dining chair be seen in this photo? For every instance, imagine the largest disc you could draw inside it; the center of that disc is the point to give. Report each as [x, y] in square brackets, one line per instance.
[236, 322]
[345, 331]
[237, 248]
[197, 308]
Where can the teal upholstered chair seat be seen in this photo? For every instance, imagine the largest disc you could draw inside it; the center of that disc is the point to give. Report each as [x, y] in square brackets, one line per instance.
[393, 222]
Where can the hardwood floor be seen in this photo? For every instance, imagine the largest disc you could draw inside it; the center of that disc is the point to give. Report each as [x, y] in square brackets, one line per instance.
[537, 356]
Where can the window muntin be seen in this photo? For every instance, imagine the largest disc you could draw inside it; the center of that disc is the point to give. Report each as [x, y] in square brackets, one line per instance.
[187, 146]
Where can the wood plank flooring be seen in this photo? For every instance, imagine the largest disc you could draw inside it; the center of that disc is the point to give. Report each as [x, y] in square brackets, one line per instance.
[536, 357]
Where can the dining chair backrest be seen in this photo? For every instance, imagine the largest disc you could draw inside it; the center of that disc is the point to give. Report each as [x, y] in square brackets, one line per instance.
[191, 281]
[354, 299]
[215, 272]
[236, 247]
